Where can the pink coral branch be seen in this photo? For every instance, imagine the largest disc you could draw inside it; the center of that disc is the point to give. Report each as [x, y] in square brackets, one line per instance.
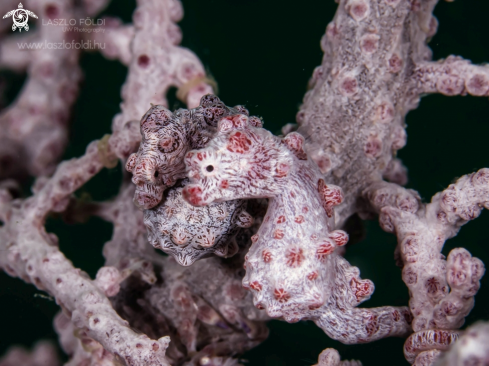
[34, 126]
[30, 253]
[442, 291]
[471, 348]
[331, 357]
[452, 76]
[114, 42]
[11, 57]
[375, 68]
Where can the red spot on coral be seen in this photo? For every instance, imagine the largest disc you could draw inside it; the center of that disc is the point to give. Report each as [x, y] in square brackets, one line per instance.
[441, 216]
[239, 143]
[408, 317]
[294, 257]
[372, 325]
[395, 63]
[325, 248]
[409, 276]
[255, 121]
[369, 43]
[478, 85]
[143, 61]
[281, 295]
[348, 86]
[267, 256]
[450, 85]
[312, 276]
[410, 248]
[384, 112]
[330, 196]
[432, 285]
[225, 124]
[358, 9]
[255, 285]
[362, 288]
[373, 147]
[396, 315]
[295, 143]
[278, 234]
[339, 236]
[51, 11]
[305, 210]
[254, 238]
[281, 219]
[481, 178]
[415, 5]
[450, 308]
[299, 219]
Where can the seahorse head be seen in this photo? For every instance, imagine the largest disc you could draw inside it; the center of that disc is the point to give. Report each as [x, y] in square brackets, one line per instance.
[243, 160]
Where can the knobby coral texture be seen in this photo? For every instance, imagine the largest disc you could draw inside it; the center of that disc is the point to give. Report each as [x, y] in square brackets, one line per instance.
[255, 226]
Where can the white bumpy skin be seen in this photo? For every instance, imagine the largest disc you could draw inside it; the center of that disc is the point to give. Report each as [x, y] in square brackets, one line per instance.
[292, 268]
[190, 233]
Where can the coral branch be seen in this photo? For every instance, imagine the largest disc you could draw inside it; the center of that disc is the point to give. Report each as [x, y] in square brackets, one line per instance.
[157, 63]
[422, 231]
[452, 76]
[34, 127]
[427, 340]
[115, 38]
[471, 348]
[11, 57]
[375, 68]
[331, 357]
[30, 253]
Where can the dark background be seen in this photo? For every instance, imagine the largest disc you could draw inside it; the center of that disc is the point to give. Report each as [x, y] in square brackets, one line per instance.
[261, 54]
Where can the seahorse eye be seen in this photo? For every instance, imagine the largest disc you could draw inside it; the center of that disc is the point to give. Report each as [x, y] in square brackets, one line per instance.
[209, 168]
